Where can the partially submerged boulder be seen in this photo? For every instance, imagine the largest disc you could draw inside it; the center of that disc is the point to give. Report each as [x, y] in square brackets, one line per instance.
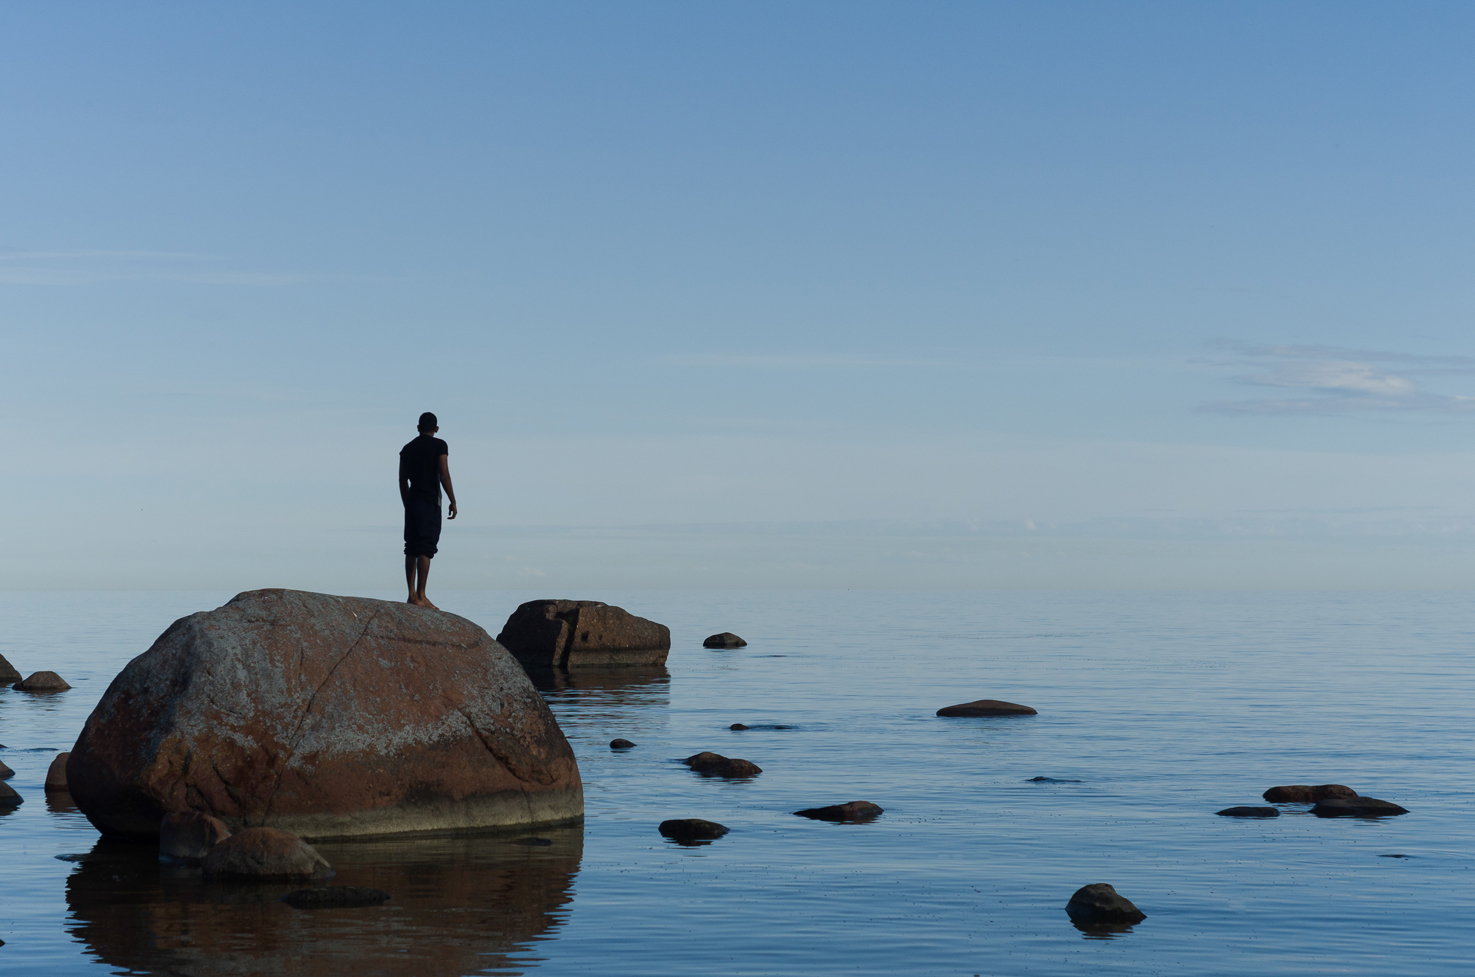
[689, 830]
[724, 640]
[8, 797]
[327, 716]
[987, 707]
[56, 774]
[42, 682]
[8, 672]
[5, 772]
[1306, 794]
[854, 812]
[188, 836]
[1101, 905]
[1248, 812]
[265, 855]
[573, 633]
[710, 764]
[1356, 807]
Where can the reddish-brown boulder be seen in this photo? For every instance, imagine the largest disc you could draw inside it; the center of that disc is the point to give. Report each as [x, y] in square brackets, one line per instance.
[1306, 794]
[326, 716]
[56, 774]
[188, 836]
[710, 764]
[265, 855]
[574, 633]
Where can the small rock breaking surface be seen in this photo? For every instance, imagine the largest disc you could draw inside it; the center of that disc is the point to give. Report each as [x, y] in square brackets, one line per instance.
[1101, 905]
[987, 707]
[1306, 794]
[853, 812]
[724, 640]
[692, 829]
[1248, 812]
[716, 765]
[1357, 807]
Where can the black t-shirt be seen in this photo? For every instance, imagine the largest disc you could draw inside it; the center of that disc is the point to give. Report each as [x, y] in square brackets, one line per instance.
[420, 461]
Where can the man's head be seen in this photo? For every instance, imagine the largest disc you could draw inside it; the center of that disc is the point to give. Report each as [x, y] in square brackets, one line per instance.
[428, 423]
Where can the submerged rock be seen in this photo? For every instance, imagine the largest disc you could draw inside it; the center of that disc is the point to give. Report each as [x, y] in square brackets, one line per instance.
[852, 811]
[716, 765]
[263, 855]
[8, 797]
[8, 672]
[692, 829]
[1248, 812]
[724, 640]
[572, 633]
[56, 774]
[620, 744]
[987, 707]
[42, 682]
[1306, 794]
[188, 836]
[1100, 904]
[336, 897]
[328, 717]
[1356, 807]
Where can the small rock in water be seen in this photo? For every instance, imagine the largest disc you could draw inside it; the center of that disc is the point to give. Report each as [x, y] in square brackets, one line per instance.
[687, 830]
[724, 640]
[1050, 780]
[8, 797]
[188, 836]
[534, 842]
[42, 682]
[1248, 812]
[5, 772]
[716, 765]
[854, 812]
[265, 854]
[620, 744]
[1395, 856]
[987, 707]
[336, 897]
[56, 774]
[8, 673]
[1306, 794]
[738, 726]
[1356, 807]
[1100, 904]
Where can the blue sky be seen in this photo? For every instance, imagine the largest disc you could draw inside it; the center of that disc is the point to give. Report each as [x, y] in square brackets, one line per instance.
[825, 294]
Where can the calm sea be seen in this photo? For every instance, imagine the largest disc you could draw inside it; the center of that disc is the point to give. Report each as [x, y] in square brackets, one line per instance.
[1155, 711]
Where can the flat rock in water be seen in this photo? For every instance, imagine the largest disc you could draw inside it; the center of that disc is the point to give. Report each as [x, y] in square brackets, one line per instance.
[987, 707]
[1306, 794]
[1050, 780]
[692, 829]
[572, 633]
[264, 855]
[336, 897]
[1356, 807]
[5, 772]
[8, 797]
[326, 716]
[56, 774]
[1100, 904]
[716, 765]
[724, 640]
[42, 682]
[853, 812]
[620, 744]
[8, 672]
[1248, 812]
[188, 836]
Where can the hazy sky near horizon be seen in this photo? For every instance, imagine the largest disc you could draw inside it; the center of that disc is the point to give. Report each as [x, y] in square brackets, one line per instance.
[740, 294]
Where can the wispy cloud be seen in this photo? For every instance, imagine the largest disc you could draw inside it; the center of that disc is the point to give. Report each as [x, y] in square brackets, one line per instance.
[1337, 379]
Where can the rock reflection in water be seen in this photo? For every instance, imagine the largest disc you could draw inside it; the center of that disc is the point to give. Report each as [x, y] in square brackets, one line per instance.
[633, 683]
[461, 905]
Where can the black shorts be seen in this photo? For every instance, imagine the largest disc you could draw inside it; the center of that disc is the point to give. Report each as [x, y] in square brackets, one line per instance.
[422, 527]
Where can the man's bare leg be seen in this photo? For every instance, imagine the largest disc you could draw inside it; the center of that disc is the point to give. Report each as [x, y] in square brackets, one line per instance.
[410, 578]
[423, 566]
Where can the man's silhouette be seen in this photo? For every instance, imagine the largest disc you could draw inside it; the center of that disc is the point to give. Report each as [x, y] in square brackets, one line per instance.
[423, 469]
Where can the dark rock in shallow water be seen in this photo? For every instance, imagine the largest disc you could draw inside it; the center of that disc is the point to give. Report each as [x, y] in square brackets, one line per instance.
[1306, 794]
[188, 836]
[724, 640]
[1099, 904]
[8, 797]
[854, 812]
[575, 633]
[716, 765]
[738, 726]
[620, 744]
[326, 716]
[1248, 812]
[1050, 780]
[336, 897]
[264, 855]
[1356, 807]
[42, 682]
[56, 774]
[5, 772]
[692, 829]
[1395, 856]
[8, 672]
[987, 707]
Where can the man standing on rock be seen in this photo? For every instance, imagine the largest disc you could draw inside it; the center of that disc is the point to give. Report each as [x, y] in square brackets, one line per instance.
[423, 469]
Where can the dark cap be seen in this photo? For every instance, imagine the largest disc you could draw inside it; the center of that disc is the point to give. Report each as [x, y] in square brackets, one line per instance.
[428, 422]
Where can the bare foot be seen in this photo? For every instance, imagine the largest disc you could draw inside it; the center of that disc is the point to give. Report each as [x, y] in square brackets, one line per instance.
[425, 602]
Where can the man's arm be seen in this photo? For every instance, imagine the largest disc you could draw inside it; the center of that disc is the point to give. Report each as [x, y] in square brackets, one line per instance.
[404, 484]
[445, 479]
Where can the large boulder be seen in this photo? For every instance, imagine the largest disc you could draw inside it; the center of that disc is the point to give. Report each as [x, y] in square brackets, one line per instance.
[328, 717]
[572, 633]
